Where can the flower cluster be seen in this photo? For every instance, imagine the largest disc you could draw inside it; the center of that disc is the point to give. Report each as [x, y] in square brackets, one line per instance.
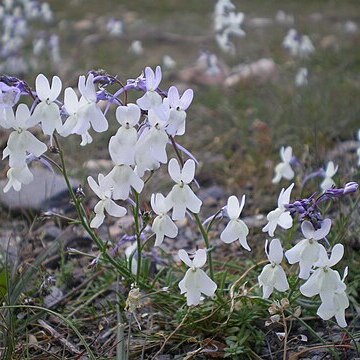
[227, 23]
[314, 264]
[298, 45]
[137, 149]
[15, 16]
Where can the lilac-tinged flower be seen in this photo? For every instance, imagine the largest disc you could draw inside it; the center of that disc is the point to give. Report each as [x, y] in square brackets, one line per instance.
[236, 229]
[47, 112]
[273, 275]
[330, 171]
[181, 197]
[284, 170]
[281, 215]
[195, 282]
[104, 191]
[162, 225]
[307, 251]
[9, 95]
[151, 98]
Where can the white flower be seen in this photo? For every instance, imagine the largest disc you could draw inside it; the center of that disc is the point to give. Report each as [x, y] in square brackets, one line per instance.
[326, 282]
[122, 144]
[181, 196]
[280, 216]
[18, 176]
[330, 171]
[124, 178]
[306, 46]
[104, 191]
[151, 98]
[144, 158]
[301, 77]
[299, 45]
[157, 137]
[77, 122]
[273, 275]
[47, 112]
[162, 225]
[21, 140]
[307, 251]
[168, 62]
[136, 47]
[284, 170]
[236, 228]
[83, 113]
[195, 281]
[178, 105]
[337, 309]
[227, 23]
[93, 113]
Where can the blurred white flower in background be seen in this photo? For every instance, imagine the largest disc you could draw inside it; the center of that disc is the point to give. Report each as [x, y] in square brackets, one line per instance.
[298, 45]
[301, 78]
[227, 23]
[136, 47]
[330, 171]
[115, 27]
[283, 169]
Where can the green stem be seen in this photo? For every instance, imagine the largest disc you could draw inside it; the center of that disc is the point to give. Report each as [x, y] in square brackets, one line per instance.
[207, 244]
[137, 234]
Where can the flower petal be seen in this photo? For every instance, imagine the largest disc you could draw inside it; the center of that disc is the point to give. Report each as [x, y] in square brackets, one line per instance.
[184, 257]
[323, 231]
[275, 251]
[285, 220]
[233, 207]
[208, 287]
[42, 87]
[71, 101]
[188, 171]
[56, 86]
[307, 229]
[186, 99]
[114, 209]
[174, 170]
[200, 258]
[336, 254]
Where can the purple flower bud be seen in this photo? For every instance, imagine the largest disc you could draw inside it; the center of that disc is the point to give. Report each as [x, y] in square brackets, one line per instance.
[350, 187]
